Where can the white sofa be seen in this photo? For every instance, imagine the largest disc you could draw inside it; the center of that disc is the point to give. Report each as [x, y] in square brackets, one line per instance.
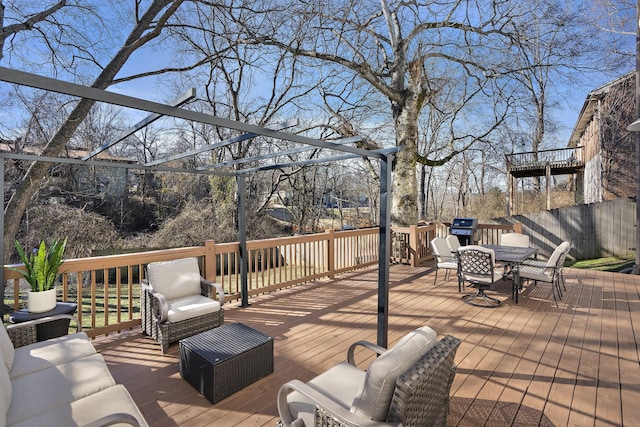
[60, 382]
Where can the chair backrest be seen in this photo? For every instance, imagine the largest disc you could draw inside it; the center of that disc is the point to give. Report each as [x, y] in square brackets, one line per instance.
[374, 397]
[557, 255]
[176, 278]
[441, 250]
[563, 255]
[477, 263]
[515, 239]
[421, 396]
[453, 242]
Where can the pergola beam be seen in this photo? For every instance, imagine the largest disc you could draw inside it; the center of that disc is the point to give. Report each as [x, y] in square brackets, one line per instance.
[279, 153]
[181, 100]
[60, 86]
[317, 160]
[226, 142]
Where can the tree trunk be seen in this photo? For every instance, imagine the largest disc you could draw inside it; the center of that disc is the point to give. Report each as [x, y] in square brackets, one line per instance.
[38, 170]
[404, 211]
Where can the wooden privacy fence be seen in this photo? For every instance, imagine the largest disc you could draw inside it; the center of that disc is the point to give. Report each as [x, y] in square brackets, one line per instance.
[107, 288]
[596, 229]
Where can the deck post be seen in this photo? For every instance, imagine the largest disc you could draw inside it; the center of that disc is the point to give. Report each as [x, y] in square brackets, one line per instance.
[210, 266]
[413, 246]
[383, 251]
[331, 253]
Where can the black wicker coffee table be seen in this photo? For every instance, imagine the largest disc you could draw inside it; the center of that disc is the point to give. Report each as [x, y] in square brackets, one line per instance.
[223, 360]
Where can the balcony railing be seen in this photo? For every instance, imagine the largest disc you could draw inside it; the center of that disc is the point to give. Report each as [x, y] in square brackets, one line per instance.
[560, 158]
[107, 288]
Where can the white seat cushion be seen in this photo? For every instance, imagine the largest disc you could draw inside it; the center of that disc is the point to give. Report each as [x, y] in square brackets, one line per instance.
[83, 411]
[373, 399]
[175, 279]
[191, 306]
[49, 388]
[535, 273]
[340, 384]
[448, 264]
[497, 275]
[53, 352]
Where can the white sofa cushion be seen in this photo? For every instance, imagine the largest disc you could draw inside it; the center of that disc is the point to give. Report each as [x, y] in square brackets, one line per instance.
[83, 411]
[49, 353]
[175, 279]
[340, 384]
[6, 348]
[56, 386]
[5, 392]
[374, 397]
[191, 306]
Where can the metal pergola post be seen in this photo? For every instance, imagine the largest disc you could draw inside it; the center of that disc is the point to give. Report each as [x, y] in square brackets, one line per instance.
[383, 251]
[242, 237]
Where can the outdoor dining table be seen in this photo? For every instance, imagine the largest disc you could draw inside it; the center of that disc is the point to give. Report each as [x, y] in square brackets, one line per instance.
[514, 256]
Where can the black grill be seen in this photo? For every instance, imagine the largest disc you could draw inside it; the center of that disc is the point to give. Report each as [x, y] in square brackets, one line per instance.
[465, 229]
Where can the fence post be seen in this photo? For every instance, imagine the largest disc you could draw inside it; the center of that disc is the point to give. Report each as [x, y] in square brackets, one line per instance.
[413, 246]
[210, 266]
[517, 227]
[331, 247]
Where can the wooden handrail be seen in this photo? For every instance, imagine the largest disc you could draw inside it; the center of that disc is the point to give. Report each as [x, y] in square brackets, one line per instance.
[107, 288]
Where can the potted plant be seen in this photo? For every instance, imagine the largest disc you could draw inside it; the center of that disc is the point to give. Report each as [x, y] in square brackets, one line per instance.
[41, 271]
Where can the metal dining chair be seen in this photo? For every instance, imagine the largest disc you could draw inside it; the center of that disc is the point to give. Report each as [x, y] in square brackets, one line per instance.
[477, 266]
[515, 239]
[444, 258]
[549, 271]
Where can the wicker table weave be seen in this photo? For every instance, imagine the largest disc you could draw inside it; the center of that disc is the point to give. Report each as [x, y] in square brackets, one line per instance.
[223, 360]
[47, 330]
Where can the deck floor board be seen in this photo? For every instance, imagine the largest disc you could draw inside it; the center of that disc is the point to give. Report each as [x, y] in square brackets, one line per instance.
[529, 364]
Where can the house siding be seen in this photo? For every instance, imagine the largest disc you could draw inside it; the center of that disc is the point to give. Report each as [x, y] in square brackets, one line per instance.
[609, 149]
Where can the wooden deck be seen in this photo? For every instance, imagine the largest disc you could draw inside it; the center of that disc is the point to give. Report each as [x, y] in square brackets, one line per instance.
[524, 365]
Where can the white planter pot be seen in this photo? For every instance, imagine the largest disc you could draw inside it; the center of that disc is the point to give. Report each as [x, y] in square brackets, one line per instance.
[39, 302]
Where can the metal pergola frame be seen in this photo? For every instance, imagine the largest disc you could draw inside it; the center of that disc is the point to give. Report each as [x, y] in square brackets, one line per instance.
[157, 110]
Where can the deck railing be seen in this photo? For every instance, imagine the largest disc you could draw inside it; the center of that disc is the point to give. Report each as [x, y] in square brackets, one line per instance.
[558, 157]
[107, 288]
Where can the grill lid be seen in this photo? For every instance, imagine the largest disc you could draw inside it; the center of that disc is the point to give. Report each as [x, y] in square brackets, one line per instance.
[468, 223]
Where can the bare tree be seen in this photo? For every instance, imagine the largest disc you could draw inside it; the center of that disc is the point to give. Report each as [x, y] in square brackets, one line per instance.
[148, 25]
[15, 21]
[406, 52]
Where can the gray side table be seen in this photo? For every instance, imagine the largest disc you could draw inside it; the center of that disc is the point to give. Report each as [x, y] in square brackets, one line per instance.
[47, 330]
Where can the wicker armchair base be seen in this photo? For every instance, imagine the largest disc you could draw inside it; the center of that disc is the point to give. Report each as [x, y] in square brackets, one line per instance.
[167, 333]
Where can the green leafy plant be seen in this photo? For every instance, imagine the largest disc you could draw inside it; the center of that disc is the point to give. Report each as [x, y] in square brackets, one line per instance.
[41, 265]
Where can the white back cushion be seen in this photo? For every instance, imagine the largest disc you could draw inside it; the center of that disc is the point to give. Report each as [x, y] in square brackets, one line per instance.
[6, 348]
[175, 279]
[374, 397]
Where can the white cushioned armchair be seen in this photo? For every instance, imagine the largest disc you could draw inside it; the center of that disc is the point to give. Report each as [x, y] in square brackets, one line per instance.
[177, 302]
[408, 384]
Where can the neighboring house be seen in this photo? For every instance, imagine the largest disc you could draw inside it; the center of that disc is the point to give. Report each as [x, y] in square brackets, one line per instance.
[608, 148]
[81, 183]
